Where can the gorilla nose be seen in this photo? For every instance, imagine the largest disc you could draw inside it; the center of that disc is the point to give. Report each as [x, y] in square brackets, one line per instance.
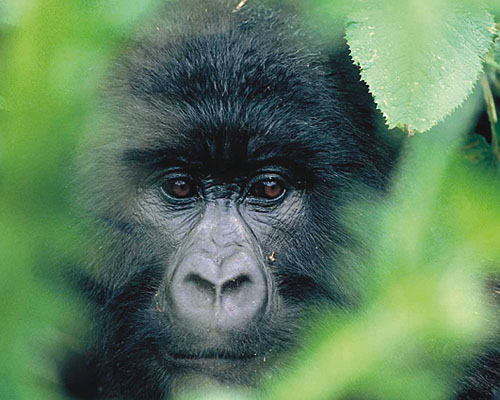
[225, 296]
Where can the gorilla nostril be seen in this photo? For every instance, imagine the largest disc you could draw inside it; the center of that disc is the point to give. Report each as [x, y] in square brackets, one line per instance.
[221, 297]
[235, 283]
[201, 284]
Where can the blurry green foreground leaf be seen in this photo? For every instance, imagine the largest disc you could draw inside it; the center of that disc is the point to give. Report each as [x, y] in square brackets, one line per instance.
[425, 310]
[51, 64]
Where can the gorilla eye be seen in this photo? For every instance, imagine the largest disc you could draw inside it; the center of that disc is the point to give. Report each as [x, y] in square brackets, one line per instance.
[269, 189]
[179, 188]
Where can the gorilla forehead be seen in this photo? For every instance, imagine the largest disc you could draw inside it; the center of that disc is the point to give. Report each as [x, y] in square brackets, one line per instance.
[228, 98]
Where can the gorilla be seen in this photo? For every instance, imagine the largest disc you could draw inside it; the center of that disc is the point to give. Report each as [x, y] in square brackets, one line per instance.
[218, 186]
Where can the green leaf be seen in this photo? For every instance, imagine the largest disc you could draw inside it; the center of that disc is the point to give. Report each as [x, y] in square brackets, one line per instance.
[420, 58]
[421, 316]
[50, 66]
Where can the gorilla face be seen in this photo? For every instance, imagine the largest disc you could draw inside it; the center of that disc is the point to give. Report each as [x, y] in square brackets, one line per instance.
[219, 187]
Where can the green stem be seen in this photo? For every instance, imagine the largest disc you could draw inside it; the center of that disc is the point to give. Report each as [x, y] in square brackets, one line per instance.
[492, 114]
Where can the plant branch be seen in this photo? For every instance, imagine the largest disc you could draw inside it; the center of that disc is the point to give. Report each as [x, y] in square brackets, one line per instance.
[492, 114]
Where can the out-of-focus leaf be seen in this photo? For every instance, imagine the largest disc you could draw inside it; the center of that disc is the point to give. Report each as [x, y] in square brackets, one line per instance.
[420, 58]
[326, 17]
[50, 68]
[478, 151]
[422, 312]
[11, 12]
[470, 212]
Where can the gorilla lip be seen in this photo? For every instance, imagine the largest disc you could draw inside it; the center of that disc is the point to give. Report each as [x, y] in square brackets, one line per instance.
[215, 357]
[216, 362]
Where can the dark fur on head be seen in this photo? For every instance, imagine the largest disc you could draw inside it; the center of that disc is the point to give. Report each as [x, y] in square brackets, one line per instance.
[223, 91]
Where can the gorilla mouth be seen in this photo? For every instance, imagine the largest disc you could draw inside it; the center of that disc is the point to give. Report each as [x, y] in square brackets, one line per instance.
[218, 365]
[214, 357]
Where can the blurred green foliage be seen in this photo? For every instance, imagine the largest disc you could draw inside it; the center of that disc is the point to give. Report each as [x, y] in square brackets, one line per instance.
[432, 241]
[424, 315]
[53, 55]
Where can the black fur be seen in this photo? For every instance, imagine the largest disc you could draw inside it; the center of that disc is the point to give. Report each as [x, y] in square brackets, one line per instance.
[222, 92]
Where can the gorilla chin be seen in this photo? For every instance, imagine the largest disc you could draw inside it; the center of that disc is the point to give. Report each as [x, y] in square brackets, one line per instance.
[234, 145]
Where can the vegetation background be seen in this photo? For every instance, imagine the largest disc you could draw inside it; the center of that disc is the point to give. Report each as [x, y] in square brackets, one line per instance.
[432, 264]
